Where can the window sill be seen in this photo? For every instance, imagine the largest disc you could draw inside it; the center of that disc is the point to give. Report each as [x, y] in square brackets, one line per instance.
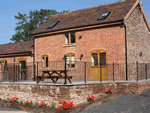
[69, 45]
[71, 69]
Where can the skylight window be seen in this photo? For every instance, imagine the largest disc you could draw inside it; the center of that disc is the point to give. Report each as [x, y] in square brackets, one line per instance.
[53, 24]
[104, 16]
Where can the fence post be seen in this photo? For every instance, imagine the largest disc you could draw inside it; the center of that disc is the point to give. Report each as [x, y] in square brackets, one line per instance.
[34, 72]
[146, 70]
[100, 73]
[37, 73]
[113, 72]
[137, 69]
[85, 72]
[14, 74]
[65, 69]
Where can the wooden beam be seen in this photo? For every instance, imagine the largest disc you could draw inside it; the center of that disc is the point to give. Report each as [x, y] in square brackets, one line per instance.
[17, 54]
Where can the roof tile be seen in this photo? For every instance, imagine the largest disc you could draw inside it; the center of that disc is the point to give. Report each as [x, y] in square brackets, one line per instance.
[16, 47]
[88, 16]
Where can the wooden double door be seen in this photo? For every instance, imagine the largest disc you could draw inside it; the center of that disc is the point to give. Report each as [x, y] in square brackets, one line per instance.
[99, 65]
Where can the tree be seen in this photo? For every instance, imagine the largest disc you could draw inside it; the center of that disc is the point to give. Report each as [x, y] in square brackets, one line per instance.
[27, 24]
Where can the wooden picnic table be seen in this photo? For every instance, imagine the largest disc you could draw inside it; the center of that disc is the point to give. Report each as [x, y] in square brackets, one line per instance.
[51, 72]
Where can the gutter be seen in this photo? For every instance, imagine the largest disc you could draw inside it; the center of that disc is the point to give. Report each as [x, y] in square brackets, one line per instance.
[126, 50]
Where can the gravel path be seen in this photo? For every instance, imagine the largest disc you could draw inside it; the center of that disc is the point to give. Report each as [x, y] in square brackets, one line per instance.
[9, 110]
[127, 103]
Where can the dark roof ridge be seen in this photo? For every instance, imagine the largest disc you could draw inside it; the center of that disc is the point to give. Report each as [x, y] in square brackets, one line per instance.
[92, 7]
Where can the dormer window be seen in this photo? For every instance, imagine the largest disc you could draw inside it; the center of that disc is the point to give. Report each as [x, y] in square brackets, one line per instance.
[53, 24]
[104, 16]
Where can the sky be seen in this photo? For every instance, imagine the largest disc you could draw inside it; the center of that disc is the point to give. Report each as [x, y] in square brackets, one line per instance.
[10, 8]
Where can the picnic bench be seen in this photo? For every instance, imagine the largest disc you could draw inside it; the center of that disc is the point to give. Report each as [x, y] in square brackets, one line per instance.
[54, 78]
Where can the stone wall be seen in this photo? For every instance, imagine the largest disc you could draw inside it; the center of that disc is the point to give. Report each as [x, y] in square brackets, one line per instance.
[138, 39]
[71, 93]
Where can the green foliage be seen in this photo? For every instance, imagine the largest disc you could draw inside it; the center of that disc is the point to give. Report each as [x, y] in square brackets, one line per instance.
[2, 100]
[30, 104]
[21, 102]
[28, 23]
[16, 102]
[44, 106]
[53, 105]
[36, 104]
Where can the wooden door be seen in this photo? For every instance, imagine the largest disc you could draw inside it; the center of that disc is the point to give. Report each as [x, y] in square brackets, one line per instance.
[98, 59]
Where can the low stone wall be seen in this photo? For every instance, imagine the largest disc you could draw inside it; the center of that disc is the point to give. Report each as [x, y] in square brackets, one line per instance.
[71, 93]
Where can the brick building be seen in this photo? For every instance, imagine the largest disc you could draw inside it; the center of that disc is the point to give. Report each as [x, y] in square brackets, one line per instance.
[18, 55]
[117, 32]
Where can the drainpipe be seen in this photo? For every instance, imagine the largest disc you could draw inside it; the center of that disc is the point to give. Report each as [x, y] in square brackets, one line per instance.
[126, 50]
[34, 58]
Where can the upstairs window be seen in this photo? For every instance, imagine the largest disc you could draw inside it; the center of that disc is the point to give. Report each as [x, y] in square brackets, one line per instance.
[104, 16]
[70, 38]
[44, 60]
[4, 65]
[70, 62]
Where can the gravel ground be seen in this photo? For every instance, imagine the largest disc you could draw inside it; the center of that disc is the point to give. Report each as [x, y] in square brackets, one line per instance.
[9, 110]
[127, 103]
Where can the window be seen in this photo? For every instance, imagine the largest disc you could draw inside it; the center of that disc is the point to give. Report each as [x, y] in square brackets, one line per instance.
[4, 64]
[53, 24]
[70, 61]
[44, 60]
[22, 68]
[94, 59]
[104, 16]
[103, 58]
[70, 38]
[98, 58]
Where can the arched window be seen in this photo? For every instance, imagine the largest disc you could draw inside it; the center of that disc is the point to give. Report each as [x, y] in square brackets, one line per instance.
[4, 64]
[44, 60]
[70, 62]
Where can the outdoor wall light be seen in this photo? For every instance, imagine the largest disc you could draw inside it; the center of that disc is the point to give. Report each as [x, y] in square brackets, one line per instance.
[140, 54]
[80, 36]
[81, 56]
[14, 59]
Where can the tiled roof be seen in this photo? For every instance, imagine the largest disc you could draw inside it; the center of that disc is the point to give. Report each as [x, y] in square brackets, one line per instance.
[16, 47]
[87, 16]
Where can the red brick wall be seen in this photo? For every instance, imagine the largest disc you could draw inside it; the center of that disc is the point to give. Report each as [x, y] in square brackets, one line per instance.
[10, 68]
[111, 39]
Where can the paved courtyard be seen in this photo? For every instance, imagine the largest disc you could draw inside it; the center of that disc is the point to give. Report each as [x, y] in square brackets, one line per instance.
[60, 82]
